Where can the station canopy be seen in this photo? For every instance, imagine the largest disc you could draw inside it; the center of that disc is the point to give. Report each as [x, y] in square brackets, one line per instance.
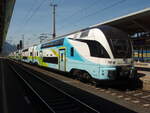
[6, 9]
[137, 22]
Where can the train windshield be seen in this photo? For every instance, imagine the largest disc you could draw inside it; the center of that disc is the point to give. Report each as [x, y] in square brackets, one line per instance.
[121, 48]
[119, 42]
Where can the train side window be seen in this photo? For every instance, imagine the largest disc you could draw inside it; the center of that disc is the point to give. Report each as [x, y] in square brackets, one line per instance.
[30, 53]
[37, 53]
[62, 55]
[53, 43]
[84, 34]
[72, 51]
[96, 49]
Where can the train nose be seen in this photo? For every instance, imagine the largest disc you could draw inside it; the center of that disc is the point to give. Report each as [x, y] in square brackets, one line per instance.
[112, 74]
[119, 73]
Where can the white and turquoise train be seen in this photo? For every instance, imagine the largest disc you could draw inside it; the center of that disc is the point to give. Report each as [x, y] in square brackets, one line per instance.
[96, 53]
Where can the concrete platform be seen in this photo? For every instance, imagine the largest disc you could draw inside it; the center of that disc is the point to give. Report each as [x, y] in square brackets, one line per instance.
[142, 65]
[145, 79]
[144, 70]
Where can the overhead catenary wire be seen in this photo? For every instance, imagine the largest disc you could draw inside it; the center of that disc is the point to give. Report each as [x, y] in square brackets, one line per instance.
[35, 11]
[80, 19]
[59, 2]
[105, 8]
[30, 9]
[94, 13]
[81, 10]
[30, 15]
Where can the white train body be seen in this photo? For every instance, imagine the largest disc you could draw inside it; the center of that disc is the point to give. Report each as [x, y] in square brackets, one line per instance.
[101, 53]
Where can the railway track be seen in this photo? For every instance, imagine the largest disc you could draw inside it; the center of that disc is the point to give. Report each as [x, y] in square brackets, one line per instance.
[137, 97]
[95, 102]
[50, 97]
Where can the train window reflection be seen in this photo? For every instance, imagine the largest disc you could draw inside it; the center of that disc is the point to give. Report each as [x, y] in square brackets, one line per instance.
[121, 48]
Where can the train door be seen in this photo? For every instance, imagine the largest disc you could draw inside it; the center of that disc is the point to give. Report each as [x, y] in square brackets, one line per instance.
[33, 54]
[41, 57]
[62, 59]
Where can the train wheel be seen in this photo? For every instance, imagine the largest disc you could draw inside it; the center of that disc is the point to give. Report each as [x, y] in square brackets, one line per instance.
[79, 75]
[76, 74]
[86, 77]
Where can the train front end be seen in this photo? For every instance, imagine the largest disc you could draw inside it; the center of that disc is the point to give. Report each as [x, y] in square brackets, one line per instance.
[119, 65]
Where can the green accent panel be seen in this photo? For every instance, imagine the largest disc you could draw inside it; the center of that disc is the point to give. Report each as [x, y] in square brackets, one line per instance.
[55, 52]
[40, 60]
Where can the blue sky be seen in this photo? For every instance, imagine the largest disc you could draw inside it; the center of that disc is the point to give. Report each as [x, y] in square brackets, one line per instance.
[33, 17]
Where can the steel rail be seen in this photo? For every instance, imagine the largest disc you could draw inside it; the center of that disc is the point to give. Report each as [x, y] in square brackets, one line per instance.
[66, 94]
[30, 87]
